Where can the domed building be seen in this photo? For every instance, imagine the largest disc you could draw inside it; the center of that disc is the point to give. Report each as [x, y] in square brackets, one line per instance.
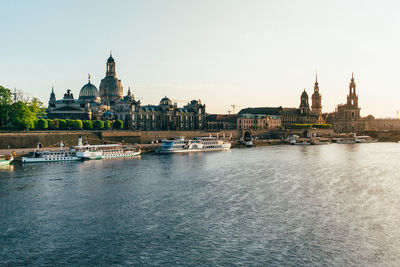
[165, 102]
[108, 103]
[111, 90]
[89, 93]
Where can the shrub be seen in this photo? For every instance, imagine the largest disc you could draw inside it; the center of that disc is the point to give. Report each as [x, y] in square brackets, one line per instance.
[87, 125]
[98, 124]
[42, 124]
[62, 124]
[118, 124]
[54, 124]
[68, 124]
[76, 124]
[322, 126]
[107, 124]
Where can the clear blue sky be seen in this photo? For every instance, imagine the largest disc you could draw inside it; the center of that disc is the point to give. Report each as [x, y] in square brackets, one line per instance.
[248, 53]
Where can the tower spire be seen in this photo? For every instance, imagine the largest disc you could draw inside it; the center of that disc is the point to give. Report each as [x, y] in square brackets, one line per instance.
[89, 77]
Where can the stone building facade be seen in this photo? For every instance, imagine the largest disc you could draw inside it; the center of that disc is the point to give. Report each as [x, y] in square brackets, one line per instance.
[290, 116]
[258, 122]
[68, 107]
[108, 103]
[222, 121]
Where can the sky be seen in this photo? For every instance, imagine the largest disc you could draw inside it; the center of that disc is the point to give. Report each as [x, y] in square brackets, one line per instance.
[223, 52]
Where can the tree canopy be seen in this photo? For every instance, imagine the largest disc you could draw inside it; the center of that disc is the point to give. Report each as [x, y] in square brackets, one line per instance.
[5, 104]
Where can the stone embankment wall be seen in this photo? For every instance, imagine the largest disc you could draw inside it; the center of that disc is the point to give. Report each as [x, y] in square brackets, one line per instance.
[384, 136]
[70, 138]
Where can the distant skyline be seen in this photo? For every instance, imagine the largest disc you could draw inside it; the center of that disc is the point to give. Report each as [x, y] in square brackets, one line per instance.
[247, 53]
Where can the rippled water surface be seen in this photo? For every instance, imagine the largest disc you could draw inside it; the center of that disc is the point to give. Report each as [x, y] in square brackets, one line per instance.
[277, 205]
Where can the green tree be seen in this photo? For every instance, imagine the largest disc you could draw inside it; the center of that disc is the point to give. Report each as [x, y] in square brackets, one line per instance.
[21, 116]
[36, 106]
[5, 105]
[118, 124]
[42, 124]
[98, 124]
[107, 124]
[62, 124]
[87, 125]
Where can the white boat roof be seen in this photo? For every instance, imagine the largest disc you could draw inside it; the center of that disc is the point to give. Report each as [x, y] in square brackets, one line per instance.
[97, 146]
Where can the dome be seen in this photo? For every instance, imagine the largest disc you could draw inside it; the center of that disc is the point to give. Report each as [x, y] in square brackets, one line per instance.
[110, 59]
[89, 92]
[165, 102]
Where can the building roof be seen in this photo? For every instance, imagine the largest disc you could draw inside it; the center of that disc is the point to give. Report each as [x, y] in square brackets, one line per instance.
[222, 117]
[293, 111]
[110, 59]
[89, 92]
[150, 108]
[165, 101]
[252, 116]
[304, 94]
[262, 110]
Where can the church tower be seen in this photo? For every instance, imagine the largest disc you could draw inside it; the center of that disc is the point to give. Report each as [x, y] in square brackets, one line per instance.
[110, 66]
[352, 101]
[52, 101]
[304, 106]
[316, 106]
[352, 97]
[110, 89]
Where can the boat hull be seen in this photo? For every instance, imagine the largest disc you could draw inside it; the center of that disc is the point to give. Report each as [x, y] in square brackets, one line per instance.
[121, 155]
[5, 162]
[37, 160]
[188, 151]
[346, 142]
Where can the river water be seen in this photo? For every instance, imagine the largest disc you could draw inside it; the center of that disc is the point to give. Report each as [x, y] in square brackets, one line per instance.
[279, 205]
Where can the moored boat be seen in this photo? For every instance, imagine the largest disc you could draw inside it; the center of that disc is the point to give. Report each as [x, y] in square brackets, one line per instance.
[345, 141]
[198, 144]
[320, 141]
[105, 151]
[301, 142]
[51, 156]
[365, 139]
[6, 159]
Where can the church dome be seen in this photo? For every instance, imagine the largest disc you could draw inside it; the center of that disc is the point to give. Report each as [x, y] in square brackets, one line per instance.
[89, 92]
[165, 102]
[304, 94]
[110, 59]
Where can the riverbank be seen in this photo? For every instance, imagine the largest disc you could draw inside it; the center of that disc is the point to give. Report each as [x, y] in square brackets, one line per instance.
[24, 140]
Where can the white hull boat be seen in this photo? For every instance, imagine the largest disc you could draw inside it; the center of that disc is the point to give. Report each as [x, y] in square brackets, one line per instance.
[51, 156]
[200, 144]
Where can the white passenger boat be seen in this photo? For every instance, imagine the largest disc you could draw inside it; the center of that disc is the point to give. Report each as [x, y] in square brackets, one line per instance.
[198, 144]
[51, 156]
[301, 142]
[365, 139]
[345, 141]
[6, 159]
[320, 141]
[105, 151]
